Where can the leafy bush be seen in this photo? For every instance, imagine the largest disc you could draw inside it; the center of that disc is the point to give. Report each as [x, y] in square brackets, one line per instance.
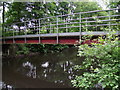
[22, 49]
[101, 64]
[46, 48]
[41, 48]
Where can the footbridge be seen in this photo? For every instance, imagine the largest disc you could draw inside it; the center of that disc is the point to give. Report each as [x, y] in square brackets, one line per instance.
[75, 28]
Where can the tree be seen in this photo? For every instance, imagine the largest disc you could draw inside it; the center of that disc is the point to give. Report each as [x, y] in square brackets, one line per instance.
[114, 4]
[101, 64]
[16, 12]
[86, 6]
[34, 10]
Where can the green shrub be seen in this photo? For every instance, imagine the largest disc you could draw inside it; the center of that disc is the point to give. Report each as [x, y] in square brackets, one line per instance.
[101, 64]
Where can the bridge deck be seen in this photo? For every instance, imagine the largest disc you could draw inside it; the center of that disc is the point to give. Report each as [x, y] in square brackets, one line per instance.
[61, 34]
[54, 38]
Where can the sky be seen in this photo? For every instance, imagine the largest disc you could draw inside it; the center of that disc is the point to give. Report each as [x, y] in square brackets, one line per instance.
[103, 3]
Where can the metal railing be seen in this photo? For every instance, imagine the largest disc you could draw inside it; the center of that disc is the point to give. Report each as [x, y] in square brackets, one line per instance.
[99, 20]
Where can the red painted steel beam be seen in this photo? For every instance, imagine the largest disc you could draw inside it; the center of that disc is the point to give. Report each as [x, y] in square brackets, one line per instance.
[19, 41]
[68, 41]
[48, 41]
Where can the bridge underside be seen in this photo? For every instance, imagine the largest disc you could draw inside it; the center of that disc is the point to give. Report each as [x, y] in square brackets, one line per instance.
[55, 38]
[51, 40]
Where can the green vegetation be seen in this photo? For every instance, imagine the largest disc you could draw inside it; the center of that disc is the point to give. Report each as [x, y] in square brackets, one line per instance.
[40, 48]
[101, 64]
[35, 10]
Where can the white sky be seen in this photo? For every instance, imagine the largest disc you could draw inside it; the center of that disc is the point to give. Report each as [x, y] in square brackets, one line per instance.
[103, 3]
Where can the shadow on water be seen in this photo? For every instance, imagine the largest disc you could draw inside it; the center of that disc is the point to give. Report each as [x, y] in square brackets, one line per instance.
[52, 70]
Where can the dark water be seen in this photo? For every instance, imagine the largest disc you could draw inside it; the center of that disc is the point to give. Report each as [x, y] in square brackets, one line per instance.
[52, 70]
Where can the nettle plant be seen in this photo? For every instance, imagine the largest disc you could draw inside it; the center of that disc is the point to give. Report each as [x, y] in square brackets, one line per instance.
[101, 64]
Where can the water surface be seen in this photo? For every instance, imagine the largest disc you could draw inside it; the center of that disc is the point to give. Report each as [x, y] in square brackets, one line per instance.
[51, 70]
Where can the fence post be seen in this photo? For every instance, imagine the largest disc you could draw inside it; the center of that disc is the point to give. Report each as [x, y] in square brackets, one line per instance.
[57, 29]
[80, 28]
[39, 31]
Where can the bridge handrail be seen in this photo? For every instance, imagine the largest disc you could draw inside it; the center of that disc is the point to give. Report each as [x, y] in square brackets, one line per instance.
[71, 19]
[68, 15]
[79, 22]
[63, 24]
[57, 24]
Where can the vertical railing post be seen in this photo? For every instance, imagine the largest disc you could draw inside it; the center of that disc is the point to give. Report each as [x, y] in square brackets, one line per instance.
[80, 29]
[34, 26]
[39, 31]
[57, 29]
[66, 25]
[50, 27]
[96, 24]
[86, 25]
[109, 21]
[4, 31]
[13, 36]
[25, 32]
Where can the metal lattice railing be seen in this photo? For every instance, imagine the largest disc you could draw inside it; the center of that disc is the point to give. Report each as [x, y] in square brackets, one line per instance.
[99, 20]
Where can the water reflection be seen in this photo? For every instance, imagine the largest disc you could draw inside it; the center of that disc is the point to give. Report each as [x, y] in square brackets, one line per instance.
[1, 85]
[55, 68]
[6, 86]
[46, 64]
[32, 69]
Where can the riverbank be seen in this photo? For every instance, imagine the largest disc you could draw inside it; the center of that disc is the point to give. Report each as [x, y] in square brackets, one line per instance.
[20, 55]
[15, 50]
